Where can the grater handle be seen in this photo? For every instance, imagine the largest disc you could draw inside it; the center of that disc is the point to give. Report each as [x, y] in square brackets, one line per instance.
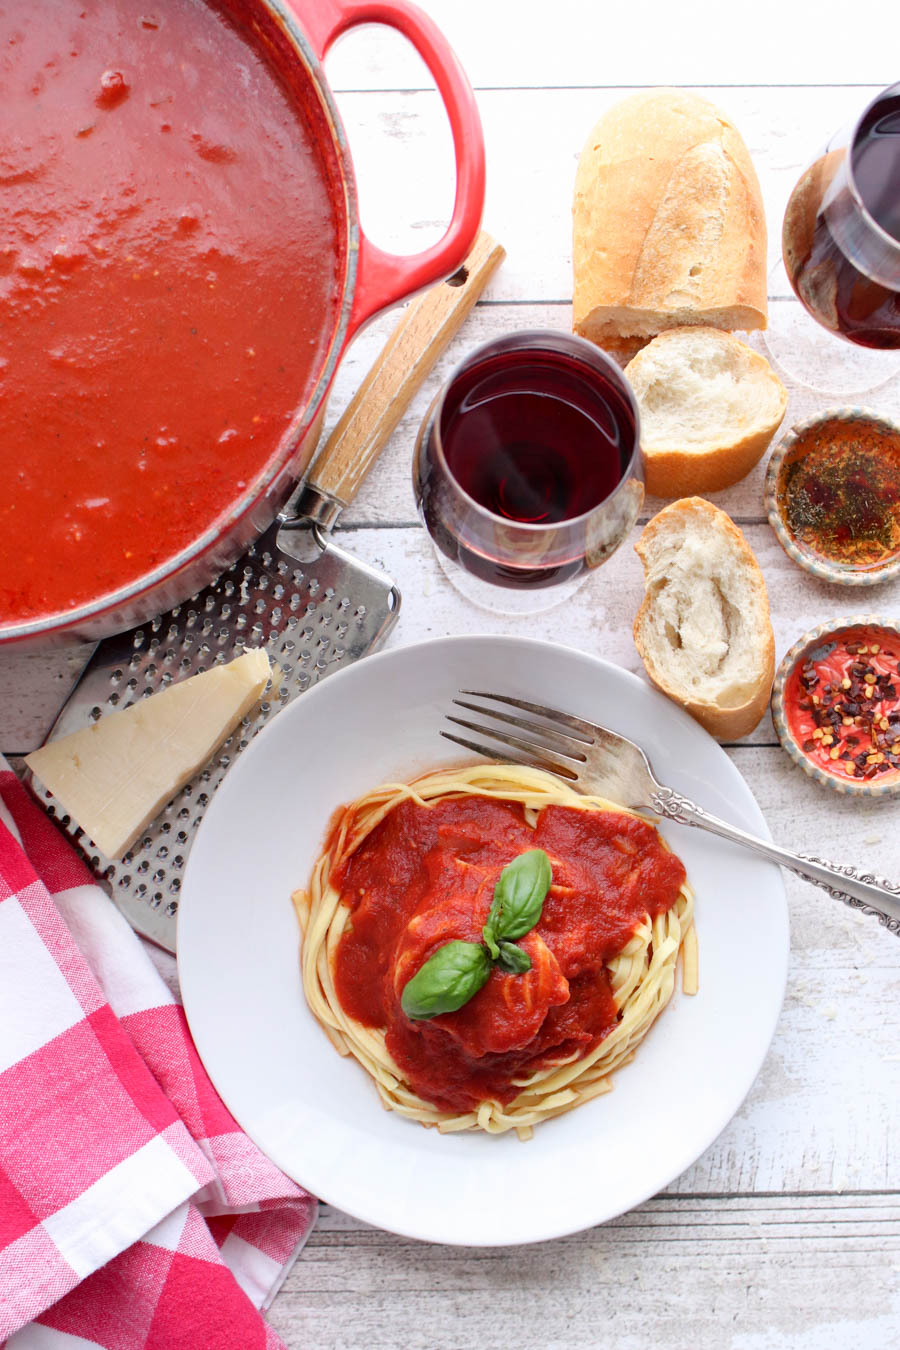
[427, 326]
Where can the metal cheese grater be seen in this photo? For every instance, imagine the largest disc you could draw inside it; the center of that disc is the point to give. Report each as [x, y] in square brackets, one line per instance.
[309, 602]
[312, 618]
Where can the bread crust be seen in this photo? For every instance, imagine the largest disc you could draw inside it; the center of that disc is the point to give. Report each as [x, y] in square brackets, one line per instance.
[672, 471]
[668, 221]
[623, 349]
[723, 723]
[669, 472]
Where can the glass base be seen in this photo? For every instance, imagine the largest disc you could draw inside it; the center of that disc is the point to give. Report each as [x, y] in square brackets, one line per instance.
[506, 599]
[808, 354]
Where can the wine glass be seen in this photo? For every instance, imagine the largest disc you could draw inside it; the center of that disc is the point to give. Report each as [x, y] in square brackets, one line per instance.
[841, 255]
[527, 469]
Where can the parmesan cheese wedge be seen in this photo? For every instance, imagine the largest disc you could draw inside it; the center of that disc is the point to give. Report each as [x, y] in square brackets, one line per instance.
[114, 776]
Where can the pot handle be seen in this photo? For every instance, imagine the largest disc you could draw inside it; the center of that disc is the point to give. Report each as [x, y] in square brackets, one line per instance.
[384, 278]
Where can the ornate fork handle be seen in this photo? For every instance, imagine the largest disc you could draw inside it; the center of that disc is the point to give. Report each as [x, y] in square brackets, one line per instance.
[871, 894]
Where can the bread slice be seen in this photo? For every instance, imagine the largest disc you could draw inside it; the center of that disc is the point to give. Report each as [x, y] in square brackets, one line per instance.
[709, 405]
[668, 222]
[703, 630]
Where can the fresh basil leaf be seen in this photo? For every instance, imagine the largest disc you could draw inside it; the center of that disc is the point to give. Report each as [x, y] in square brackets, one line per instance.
[448, 979]
[513, 959]
[520, 894]
[489, 931]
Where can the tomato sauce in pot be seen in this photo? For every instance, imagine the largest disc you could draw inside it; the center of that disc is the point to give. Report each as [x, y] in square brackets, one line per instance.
[171, 259]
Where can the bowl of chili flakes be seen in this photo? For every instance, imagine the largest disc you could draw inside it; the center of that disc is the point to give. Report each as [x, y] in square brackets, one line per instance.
[836, 705]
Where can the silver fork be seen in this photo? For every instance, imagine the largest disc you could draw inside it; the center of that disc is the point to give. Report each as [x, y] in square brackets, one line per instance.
[601, 762]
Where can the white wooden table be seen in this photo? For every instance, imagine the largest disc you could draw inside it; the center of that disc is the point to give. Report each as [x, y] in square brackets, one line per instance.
[785, 1235]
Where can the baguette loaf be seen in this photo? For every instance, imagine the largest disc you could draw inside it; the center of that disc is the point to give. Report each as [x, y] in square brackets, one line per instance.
[668, 224]
[709, 406]
[703, 629]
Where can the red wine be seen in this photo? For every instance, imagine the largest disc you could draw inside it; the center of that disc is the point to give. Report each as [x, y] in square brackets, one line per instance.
[535, 439]
[876, 163]
[533, 442]
[844, 273]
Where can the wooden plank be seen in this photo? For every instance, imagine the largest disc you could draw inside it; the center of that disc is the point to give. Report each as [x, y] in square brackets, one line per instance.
[386, 498]
[597, 619]
[734, 1274]
[33, 688]
[404, 165]
[525, 43]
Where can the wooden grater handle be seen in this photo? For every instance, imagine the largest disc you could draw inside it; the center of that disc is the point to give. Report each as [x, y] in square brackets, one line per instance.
[372, 415]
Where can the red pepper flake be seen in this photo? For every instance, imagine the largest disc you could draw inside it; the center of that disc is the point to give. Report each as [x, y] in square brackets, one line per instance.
[851, 725]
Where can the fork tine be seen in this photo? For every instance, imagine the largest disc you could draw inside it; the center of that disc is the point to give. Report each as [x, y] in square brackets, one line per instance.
[518, 742]
[583, 730]
[529, 759]
[559, 741]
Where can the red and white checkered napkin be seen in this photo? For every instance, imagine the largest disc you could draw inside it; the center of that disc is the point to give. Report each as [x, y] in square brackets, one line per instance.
[134, 1213]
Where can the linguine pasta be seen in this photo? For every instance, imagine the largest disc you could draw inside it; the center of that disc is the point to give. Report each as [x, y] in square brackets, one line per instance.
[641, 974]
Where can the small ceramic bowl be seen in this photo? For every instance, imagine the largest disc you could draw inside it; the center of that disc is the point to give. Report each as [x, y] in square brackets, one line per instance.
[786, 453]
[811, 648]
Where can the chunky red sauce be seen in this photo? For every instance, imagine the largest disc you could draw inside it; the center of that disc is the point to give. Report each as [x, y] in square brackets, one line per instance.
[426, 876]
[169, 271]
[842, 704]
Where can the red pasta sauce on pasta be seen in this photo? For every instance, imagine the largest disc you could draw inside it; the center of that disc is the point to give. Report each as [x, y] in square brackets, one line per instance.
[426, 876]
[170, 263]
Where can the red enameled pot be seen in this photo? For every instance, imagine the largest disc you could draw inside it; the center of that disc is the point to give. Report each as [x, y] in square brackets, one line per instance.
[299, 35]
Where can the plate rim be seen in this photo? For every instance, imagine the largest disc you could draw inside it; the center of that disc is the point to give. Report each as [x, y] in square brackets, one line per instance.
[408, 651]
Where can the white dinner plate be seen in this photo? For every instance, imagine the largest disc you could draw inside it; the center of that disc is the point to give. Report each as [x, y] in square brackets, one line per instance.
[318, 1115]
